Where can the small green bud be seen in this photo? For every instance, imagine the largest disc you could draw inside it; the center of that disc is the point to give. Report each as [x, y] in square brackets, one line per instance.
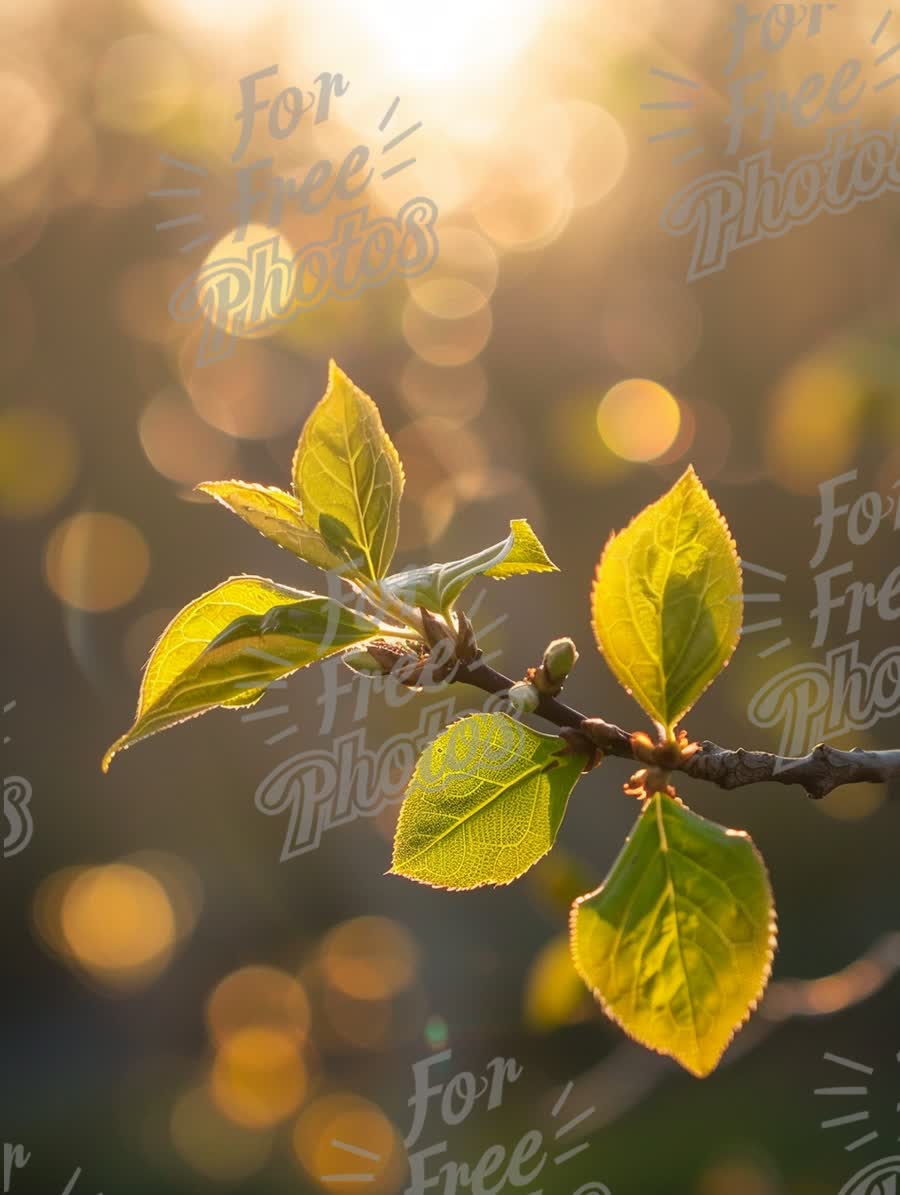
[559, 660]
[524, 698]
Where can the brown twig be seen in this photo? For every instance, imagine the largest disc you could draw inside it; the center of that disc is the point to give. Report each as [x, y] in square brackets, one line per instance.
[820, 772]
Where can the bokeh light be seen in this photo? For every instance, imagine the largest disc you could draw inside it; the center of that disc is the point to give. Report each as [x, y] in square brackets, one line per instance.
[469, 40]
[740, 1177]
[27, 123]
[258, 1078]
[554, 993]
[118, 924]
[813, 428]
[598, 152]
[553, 362]
[446, 340]
[211, 1144]
[96, 561]
[350, 1119]
[38, 461]
[518, 214]
[247, 394]
[638, 420]
[258, 996]
[228, 285]
[369, 958]
[180, 445]
[462, 279]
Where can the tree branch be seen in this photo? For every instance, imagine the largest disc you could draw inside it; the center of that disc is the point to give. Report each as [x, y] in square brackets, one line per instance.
[822, 770]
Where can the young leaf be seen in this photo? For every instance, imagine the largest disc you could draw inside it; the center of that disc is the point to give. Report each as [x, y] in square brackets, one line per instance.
[437, 586]
[484, 803]
[347, 469]
[677, 944]
[228, 645]
[666, 602]
[276, 515]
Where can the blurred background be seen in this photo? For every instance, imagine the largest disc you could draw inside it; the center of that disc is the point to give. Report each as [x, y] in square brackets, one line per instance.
[184, 1012]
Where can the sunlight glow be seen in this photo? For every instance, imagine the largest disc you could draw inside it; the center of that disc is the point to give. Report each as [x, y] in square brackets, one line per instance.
[429, 44]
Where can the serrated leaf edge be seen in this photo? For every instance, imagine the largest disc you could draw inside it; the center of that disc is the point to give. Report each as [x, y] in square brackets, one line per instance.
[449, 887]
[690, 471]
[334, 374]
[764, 979]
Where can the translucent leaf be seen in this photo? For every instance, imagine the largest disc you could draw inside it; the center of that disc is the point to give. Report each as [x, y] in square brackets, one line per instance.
[276, 515]
[677, 944]
[437, 586]
[484, 803]
[214, 653]
[667, 601]
[347, 469]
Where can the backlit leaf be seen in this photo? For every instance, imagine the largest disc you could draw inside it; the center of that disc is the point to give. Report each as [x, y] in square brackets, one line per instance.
[677, 943]
[484, 803]
[347, 469]
[667, 601]
[276, 515]
[437, 586]
[214, 653]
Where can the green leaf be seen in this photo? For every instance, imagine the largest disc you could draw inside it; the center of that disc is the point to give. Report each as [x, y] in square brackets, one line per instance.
[484, 803]
[276, 515]
[667, 601]
[215, 653]
[677, 944]
[347, 469]
[437, 586]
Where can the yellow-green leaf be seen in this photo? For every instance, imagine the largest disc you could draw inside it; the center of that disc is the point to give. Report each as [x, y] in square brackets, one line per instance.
[677, 944]
[437, 586]
[347, 469]
[484, 803]
[228, 645]
[667, 601]
[276, 515]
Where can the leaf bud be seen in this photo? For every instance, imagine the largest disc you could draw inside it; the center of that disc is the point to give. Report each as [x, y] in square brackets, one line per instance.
[524, 698]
